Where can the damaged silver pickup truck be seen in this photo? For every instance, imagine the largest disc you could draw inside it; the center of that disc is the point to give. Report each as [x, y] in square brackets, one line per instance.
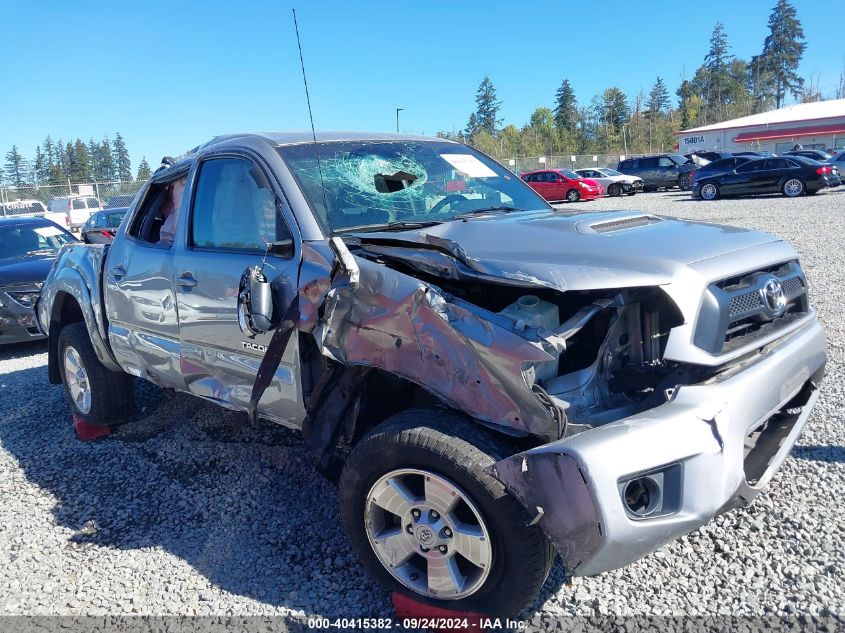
[490, 379]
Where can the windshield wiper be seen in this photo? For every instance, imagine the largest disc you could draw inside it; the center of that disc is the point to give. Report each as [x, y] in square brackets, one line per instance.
[485, 210]
[390, 226]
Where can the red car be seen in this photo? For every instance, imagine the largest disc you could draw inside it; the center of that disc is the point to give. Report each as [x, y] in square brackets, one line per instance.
[562, 184]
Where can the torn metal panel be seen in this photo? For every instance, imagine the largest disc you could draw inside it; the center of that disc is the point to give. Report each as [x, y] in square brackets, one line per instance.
[539, 482]
[397, 323]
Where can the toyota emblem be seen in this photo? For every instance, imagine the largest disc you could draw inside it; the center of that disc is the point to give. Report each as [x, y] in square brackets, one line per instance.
[774, 299]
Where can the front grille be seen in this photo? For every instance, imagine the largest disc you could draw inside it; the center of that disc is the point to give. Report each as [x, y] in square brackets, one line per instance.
[625, 223]
[736, 312]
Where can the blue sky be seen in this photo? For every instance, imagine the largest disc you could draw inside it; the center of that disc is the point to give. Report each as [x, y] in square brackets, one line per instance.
[170, 75]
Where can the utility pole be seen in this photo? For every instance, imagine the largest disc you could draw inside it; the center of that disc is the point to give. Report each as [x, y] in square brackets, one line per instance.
[398, 110]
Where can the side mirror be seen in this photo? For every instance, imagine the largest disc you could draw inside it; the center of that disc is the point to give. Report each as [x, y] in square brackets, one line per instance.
[255, 303]
[282, 248]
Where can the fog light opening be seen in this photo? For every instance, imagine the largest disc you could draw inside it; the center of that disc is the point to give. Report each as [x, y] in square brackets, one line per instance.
[642, 496]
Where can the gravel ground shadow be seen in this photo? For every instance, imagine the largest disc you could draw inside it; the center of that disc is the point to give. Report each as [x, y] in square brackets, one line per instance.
[245, 510]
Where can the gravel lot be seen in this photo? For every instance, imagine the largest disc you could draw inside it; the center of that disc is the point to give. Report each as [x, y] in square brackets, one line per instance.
[176, 515]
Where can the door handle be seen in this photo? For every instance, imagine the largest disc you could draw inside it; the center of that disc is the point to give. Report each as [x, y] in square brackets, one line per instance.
[187, 280]
[117, 272]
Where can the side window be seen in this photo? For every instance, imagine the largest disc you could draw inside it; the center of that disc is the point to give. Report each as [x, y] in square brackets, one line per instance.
[626, 164]
[775, 163]
[754, 165]
[78, 203]
[649, 162]
[149, 219]
[665, 162]
[235, 208]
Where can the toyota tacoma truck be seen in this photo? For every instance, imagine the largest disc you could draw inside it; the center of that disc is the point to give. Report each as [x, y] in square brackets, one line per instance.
[489, 379]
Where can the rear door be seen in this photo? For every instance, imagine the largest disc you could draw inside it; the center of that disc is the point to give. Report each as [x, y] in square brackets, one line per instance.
[140, 298]
[235, 210]
[648, 170]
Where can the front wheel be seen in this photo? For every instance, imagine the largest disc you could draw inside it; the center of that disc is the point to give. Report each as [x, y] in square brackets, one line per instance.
[97, 395]
[709, 191]
[793, 188]
[614, 190]
[427, 520]
[573, 196]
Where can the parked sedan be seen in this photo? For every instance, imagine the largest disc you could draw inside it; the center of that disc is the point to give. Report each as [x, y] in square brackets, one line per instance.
[100, 227]
[28, 247]
[813, 154]
[613, 182]
[792, 175]
[719, 167]
[562, 184]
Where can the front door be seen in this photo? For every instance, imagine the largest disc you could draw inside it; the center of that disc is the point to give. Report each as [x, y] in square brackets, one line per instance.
[234, 213]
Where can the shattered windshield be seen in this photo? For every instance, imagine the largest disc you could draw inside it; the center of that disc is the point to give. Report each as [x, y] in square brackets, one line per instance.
[376, 183]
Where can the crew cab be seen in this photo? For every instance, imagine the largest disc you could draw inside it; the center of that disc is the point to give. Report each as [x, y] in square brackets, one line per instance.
[664, 170]
[484, 375]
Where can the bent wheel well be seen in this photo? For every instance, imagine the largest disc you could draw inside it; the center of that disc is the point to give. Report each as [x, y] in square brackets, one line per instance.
[66, 310]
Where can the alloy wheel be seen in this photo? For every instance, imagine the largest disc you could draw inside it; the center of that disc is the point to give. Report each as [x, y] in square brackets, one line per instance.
[76, 378]
[428, 534]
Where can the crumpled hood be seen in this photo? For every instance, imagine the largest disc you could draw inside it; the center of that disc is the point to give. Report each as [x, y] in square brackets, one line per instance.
[25, 270]
[569, 251]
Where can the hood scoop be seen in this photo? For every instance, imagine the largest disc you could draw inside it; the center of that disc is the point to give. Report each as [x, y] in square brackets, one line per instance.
[611, 226]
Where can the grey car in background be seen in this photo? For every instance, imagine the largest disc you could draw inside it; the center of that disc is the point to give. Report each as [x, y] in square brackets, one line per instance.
[663, 171]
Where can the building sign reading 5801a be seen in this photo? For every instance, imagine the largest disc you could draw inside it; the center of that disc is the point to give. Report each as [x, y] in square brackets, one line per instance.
[693, 140]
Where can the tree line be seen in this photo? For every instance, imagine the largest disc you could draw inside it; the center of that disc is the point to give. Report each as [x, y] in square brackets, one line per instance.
[57, 162]
[723, 87]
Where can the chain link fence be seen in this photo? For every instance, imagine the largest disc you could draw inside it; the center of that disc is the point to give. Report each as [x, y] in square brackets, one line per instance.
[520, 164]
[24, 200]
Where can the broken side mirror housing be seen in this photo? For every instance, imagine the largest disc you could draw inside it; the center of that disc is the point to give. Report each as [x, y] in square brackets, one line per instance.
[256, 312]
[282, 248]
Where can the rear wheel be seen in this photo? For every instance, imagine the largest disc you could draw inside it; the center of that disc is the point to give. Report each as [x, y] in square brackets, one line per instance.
[427, 520]
[793, 188]
[573, 196]
[97, 395]
[614, 190]
[709, 191]
[683, 182]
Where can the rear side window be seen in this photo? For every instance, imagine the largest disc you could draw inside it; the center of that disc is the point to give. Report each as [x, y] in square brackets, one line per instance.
[626, 164]
[235, 208]
[650, 162]
[79, 203]
[754, 165]
[776, 163]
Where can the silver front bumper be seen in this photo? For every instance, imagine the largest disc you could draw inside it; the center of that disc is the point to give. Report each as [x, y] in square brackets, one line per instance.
[572, 487]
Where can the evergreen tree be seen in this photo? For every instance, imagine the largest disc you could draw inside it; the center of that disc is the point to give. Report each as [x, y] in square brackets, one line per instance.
[143, 169]
[17, 168]
[82, 162]
[782, 53]
[566, 108]
[614, 108]
[716, 62]
[487, 107]
[106, 165]
[70, 165]
[472, 126]
[658, 99]
[40, 170]
[49, 156]
[123, 167]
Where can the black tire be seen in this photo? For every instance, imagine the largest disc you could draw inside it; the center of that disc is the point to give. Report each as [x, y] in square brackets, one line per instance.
[453, 447]
[573, 195]
[683, 182]
[112, 395]
[614, 190]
